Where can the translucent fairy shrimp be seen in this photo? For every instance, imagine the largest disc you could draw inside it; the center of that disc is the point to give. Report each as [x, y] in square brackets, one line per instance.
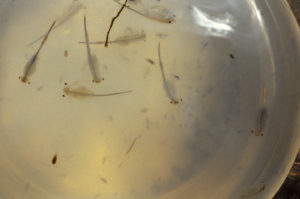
[91, 59]
[156, 13]
[165, 82]
[81, 91]
[30, 66]
[123, 39]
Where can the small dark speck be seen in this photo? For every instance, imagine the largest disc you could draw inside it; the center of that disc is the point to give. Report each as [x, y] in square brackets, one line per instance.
[204, 44]
[144, 110]
[66, 83]
[150, 61]
[19, 77]
[29, 83]
[252, 131]
[176, 76]
[39, 88]
[104, 180]
[262, 134]
[63, 96]
[231, 56]
[54, 159]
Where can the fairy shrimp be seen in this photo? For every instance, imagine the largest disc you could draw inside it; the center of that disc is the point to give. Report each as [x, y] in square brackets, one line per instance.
[82, 91]
[91, 59]
[156, 13]
[30, 66]
[165, 83]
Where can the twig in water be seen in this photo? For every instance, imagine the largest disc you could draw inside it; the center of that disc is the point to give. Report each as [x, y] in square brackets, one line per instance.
[112, 23]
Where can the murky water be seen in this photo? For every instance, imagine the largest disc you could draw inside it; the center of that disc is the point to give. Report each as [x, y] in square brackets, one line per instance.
[135, 144]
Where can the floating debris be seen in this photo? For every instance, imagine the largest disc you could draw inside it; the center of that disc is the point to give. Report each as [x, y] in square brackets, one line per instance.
[104, 180]
[176, 76]
[144, 110]
[54, 159]
[131, 146]
[150, 61]
[261, 121]
[112, 23]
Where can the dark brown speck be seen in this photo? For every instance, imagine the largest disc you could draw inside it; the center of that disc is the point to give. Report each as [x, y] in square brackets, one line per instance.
[54, 159]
